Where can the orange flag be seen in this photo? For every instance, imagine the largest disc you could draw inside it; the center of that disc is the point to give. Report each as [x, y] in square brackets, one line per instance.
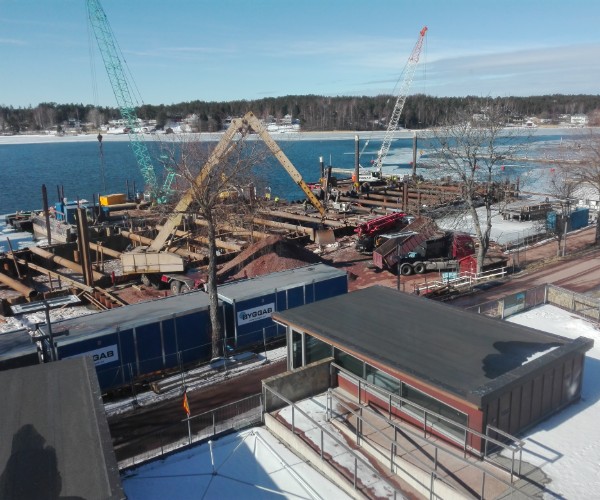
[186, 404]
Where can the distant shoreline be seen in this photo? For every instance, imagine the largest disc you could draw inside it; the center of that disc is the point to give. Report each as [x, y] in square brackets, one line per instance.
[215, 136]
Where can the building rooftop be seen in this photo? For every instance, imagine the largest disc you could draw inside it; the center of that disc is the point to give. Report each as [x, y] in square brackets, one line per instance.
[134, 315]
[14, 345]
[56, 442]
[469, 355]
[249, 464]
[253, 287]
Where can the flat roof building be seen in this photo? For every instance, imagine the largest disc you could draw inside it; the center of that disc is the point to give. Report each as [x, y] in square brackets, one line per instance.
[461, 367]
[131, 343]
[54, 434]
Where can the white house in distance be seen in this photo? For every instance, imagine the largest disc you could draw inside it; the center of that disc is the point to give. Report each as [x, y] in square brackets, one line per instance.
[283, 125]
[121, 126]
[579, 120]
[587, 196]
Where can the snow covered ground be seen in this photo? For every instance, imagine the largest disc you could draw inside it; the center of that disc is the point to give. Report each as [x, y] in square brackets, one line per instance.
[314, 413]
[249, 464]
[503, 231]
[203, 376]
[567, 445]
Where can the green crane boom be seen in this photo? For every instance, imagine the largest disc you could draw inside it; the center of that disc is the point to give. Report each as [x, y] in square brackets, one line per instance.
[116, 74]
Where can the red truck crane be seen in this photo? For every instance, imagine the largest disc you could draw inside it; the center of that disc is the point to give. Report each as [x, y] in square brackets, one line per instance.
[368, 231]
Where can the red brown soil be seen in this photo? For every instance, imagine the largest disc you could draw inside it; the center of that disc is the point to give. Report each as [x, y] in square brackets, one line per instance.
[140, 293]
[541, 259]
[269, 255]
[275, 254]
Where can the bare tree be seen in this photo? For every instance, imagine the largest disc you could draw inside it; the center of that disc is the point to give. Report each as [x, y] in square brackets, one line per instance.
[95, 117]
[562, 186]
[220, 182]
[585, 168]
[471, 149]
[43, 116]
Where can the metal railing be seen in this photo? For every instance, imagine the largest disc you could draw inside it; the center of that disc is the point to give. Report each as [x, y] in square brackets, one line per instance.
[158, 443]
[513, 303]
[464, 280]
[417, 442]
[147, 369]
[427, 424]
[582, 305]
[335, 447]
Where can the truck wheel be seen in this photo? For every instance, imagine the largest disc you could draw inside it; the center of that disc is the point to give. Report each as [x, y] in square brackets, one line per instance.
[150, 281]
[406, 270]
[175, 287]
[419, 267]
[185, 288]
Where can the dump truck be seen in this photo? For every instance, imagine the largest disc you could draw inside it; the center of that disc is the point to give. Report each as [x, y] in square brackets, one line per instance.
[423, 247]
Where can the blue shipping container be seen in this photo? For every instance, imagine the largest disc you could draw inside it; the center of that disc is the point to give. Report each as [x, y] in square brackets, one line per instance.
[577, 219]
[248, 304]
[133, 342]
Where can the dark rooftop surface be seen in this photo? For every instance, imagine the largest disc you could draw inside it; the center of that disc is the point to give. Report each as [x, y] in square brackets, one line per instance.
[260, 285]
[54, 435]
[16, 344]
[133, 315]
[461, 352]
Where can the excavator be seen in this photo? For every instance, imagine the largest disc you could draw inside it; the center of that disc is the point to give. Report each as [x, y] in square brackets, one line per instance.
[153, 259]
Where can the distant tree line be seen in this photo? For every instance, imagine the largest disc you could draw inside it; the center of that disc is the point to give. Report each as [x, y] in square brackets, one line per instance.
[314, 112]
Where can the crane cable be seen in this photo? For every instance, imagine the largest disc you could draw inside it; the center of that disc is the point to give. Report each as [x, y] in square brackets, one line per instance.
[95, 99]
[401, 77]
[159, 149]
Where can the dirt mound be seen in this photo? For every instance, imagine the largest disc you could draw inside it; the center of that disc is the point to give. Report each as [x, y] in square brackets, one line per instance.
[269, 255]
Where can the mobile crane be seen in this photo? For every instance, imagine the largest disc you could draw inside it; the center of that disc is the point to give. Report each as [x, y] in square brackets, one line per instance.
[409, 72]
[368, 231]
[114, 67]
[153, 259]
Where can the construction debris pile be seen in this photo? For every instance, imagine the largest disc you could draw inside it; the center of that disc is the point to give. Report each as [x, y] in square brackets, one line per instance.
[270, 255]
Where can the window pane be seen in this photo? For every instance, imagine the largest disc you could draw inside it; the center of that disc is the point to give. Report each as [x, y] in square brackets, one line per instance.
[383, 380]
[434, 406]
[348, 362]
[316, 349]
[296, 349]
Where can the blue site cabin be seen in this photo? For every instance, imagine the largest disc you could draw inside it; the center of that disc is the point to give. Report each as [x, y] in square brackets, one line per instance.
[128, 343]
[248, 304]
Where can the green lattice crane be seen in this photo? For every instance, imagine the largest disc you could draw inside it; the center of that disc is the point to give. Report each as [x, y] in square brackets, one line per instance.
[111, 57]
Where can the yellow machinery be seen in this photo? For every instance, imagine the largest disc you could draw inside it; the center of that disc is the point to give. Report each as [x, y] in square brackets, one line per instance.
[153, 259]
[113, 199]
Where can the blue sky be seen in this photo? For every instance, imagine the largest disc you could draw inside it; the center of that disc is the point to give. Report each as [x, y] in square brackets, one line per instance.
[219, 50]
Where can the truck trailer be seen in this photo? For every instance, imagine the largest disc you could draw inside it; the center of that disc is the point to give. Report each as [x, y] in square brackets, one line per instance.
[417, 250]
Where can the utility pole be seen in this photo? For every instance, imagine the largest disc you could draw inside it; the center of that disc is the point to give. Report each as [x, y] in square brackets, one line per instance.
[50, 336]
